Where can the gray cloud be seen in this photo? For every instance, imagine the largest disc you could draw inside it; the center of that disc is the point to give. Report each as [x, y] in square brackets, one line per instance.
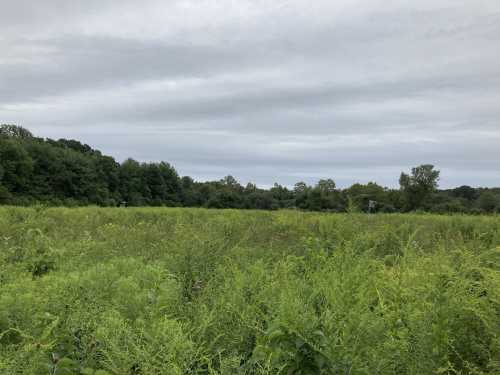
[265, 91]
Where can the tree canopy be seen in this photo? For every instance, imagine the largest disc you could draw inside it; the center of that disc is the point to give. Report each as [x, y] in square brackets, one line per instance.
[68, 172]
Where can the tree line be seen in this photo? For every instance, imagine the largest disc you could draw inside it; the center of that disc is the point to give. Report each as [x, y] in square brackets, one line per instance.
[67, 172]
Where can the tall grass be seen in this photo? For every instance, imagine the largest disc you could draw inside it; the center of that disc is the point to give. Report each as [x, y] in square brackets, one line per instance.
[194, 291]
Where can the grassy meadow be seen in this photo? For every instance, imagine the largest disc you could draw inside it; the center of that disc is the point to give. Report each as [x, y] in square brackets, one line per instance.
[194, 291]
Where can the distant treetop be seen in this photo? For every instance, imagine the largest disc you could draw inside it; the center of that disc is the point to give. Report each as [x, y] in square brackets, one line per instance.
[15, 131]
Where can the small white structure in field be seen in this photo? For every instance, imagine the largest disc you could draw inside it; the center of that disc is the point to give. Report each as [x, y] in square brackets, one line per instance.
[372, 205]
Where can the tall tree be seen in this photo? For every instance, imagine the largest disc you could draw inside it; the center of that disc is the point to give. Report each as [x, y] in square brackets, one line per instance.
[16, 164]
[132, 187]
[326, 186]
[418, 187]
[301, 191]
[14, 131]
[361, 195]
[4, 192]
[488, 201]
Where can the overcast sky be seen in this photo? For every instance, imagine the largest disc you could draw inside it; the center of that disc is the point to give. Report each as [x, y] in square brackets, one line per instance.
[267, 91]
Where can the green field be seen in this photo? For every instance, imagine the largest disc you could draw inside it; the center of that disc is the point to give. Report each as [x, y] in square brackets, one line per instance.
[194, 291]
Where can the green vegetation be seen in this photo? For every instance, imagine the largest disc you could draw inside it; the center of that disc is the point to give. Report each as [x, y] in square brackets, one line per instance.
[194, 291]
[69, 173]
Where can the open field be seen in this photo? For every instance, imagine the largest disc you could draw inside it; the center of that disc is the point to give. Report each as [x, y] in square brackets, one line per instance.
[195, 291]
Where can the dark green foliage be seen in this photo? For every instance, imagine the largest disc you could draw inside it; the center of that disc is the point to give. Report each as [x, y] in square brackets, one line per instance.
[68, 173]
[488, 201]
[465, 192]
[363, 194]
[14, 131]
[16, 166]
[418, 187]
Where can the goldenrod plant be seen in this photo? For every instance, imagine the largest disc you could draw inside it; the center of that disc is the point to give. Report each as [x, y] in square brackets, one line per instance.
[113, 291]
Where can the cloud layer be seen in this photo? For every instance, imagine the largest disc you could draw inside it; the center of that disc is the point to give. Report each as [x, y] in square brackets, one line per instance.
[266, 91]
